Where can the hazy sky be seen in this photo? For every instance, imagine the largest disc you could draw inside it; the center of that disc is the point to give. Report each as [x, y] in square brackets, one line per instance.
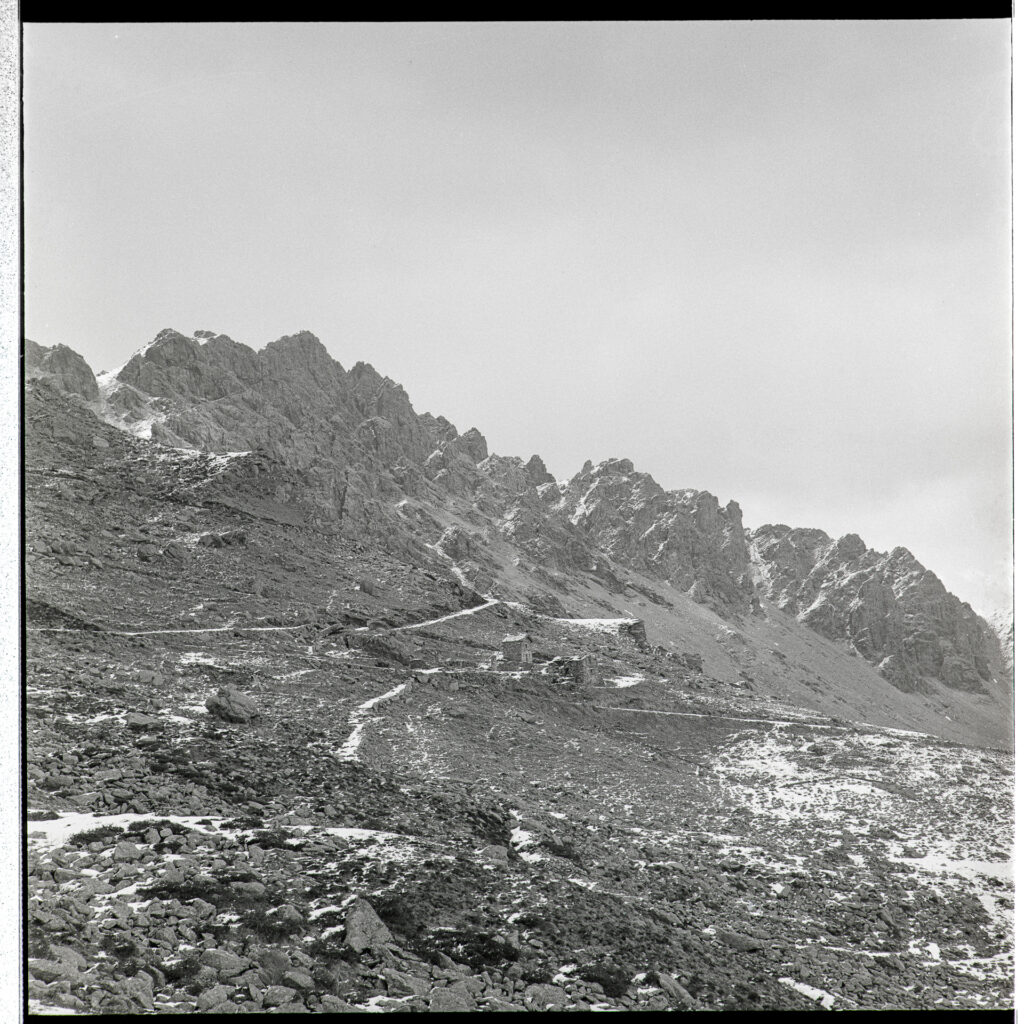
[769, 259]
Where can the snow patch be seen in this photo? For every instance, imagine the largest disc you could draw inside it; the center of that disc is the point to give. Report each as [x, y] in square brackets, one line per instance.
[826, 999]
[621, 682]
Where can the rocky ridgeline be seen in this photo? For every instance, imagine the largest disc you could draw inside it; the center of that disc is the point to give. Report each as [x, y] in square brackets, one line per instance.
[331, 447]
[888, 607]
[683, 537]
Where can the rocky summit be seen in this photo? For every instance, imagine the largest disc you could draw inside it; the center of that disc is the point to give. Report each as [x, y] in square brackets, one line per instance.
[331, 708]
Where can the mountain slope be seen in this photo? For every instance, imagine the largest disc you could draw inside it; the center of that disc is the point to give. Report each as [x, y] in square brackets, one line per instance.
[280, 762]
[352, 453]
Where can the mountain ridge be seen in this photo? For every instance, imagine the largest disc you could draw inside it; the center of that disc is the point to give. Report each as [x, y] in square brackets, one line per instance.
[359, 449]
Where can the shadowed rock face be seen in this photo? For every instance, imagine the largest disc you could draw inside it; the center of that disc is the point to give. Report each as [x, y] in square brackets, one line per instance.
[63, 365]
[888, 607]
[683, 537]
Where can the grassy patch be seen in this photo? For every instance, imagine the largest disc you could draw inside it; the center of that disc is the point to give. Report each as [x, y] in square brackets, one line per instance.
[267, 926]
[332, 950]
[400, 915]
[138, 829]
[245, 821]
[479, 950]
[277, 839]
[216, 891]
[614, 980]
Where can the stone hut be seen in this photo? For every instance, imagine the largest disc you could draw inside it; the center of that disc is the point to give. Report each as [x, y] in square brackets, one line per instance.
[582, 670]
[517, 651]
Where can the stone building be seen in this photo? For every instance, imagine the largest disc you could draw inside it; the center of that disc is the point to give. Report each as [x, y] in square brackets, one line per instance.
[517, 651]
[582, 670]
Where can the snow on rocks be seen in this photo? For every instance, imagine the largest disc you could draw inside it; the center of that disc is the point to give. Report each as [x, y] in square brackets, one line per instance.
[622, 682]
[825, 999]
[598, 625]
[522, 841]
[55, 832]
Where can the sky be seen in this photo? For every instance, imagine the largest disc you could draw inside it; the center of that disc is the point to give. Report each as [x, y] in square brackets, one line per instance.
[766, 259]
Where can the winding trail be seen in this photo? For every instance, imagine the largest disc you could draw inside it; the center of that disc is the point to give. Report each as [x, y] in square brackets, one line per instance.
[489, 603]
[723, 718]
[154, 632]
[359, 719]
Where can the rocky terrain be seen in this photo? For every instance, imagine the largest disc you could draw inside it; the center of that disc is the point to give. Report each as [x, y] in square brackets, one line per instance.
[281, 759]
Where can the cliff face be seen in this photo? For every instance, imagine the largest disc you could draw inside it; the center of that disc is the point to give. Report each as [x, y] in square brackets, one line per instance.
[683, 537]
[351, 433]
[888, 607]
[62, 365]
[356, 433]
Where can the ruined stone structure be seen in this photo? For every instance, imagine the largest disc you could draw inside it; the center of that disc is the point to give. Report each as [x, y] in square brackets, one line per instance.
[582, 670]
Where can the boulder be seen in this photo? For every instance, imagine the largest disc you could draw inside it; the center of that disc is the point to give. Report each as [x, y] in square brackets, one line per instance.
[277, 995]
[744, 943]
[496, 855]
[298, 979]
[673, 989]
[138, 722]
[544, 997]
[451, 1000]
[364, 929]
[231, 705]
[401, 984]
[273, 965]
[226, 964]
[212, 997]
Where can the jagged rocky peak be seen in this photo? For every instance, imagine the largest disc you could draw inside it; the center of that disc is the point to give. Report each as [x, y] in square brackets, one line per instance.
[302, 352]
[887, 607]
[684, 537]
[64, 366]
[474, 444]
[537, 472]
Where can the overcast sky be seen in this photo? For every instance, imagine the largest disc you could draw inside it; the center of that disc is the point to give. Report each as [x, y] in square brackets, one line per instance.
[770, 260]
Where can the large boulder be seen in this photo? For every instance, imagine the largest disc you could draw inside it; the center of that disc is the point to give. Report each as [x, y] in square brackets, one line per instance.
[231, 705]
[364, 929]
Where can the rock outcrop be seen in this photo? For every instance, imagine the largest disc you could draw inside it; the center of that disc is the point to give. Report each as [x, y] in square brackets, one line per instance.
[684, 537]
[62, 365]
[887, 607]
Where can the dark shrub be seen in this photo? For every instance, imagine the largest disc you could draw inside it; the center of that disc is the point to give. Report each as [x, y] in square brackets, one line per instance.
[103, 834]
[614, 980]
